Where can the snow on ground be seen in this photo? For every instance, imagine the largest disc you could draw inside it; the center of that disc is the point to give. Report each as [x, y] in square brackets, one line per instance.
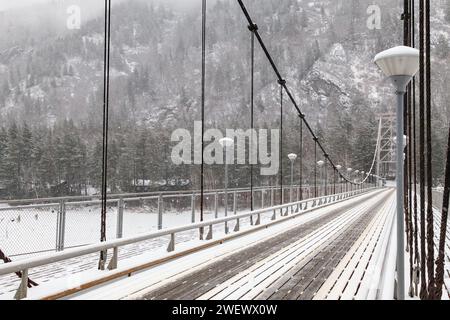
[27, 231]
[31, 231]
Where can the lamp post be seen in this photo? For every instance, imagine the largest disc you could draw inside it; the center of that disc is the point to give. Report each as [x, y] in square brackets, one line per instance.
[320, 164]
[338, 168]
[349, 173]
[226, 143]
[362, 179]
[292, 157]
[399, 64]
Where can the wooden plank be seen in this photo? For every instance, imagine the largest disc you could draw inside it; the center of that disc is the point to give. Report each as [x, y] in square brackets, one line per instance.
[336, 283]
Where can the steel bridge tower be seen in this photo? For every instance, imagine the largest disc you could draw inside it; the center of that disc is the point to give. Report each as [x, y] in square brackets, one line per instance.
[386, 153]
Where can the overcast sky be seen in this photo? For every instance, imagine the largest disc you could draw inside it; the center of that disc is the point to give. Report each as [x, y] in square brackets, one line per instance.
[8, 4]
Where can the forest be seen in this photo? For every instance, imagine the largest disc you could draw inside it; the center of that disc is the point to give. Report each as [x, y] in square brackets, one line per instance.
[51, 89]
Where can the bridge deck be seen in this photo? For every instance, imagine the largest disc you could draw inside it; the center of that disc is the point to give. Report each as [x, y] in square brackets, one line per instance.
[297, 264]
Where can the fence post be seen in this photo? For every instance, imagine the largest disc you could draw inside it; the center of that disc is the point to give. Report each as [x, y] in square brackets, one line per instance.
[193, 208]
[274, 216]
[21, 293]
[119, 227]
[216, 199]
[63, 224]
[234, 203]
[271, 197]
[160, 211]
[60, 226]
[262, 198]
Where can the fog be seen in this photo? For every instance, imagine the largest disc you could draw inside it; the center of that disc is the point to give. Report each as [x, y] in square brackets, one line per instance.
[9, 4]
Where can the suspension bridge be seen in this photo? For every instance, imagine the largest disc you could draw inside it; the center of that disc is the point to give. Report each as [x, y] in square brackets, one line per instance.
[336, 237]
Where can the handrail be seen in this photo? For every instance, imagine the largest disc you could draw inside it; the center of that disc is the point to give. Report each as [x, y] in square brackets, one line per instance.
[133, 197]
[24, 265]
[112, 197]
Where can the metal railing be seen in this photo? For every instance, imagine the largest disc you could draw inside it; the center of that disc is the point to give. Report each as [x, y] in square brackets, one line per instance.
[285, 211]
[67, 223]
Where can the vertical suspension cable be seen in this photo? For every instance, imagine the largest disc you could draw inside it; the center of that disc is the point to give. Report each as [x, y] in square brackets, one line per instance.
[334, 181]
[414, 119]
[252, 29]
[405, 18]
[423, 284]
[315, 167]
[202, 168]
[301, 159]
[407, 167]
[278, 74]
[430, 222]
[281, 83]
[325, 170]
[106, 67]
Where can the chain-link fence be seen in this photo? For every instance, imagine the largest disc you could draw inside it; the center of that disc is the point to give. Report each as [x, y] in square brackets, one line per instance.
[29, 229]
[32, 229]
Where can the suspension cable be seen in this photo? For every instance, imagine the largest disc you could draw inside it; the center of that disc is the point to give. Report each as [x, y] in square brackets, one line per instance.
[280, 78]
[202, 168]
[407, 168]
[315, 167]
[301, 159]
[106, 68]
[325, 170]
[430, 222]
[252, 28]
[423, 284]
[414, 118]
[282, 83]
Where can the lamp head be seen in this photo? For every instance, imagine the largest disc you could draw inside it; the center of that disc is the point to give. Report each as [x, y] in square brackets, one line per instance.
[226, 142]
[320, 163]
[292, 156]
[400, 64]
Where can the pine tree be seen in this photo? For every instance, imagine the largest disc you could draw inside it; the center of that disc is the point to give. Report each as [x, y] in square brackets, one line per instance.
[27, 145]
[12, 165]
[95, 164]
[3, 146]
[46, 170]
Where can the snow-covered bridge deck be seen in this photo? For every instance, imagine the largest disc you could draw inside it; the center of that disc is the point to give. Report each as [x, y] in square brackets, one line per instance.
[304, 262]
[74, 270]
[343, 249]
[333, 252]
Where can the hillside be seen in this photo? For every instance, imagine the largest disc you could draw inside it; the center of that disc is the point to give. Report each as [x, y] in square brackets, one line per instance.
[51, 85]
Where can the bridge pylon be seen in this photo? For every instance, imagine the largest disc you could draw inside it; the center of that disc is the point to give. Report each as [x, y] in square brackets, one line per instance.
[386, 151]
